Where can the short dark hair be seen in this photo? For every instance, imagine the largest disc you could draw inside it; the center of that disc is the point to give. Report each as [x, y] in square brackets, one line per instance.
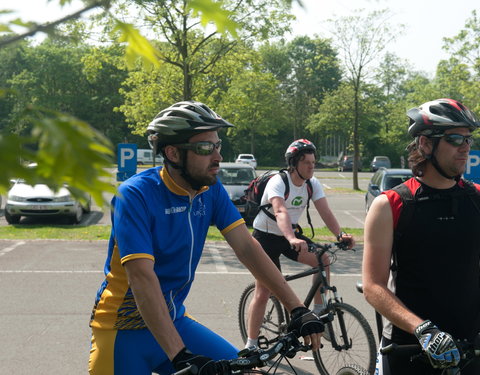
[299, 156]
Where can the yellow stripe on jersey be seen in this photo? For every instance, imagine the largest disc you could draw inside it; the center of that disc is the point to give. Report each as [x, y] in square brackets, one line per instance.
[232, 226]
[173, 186]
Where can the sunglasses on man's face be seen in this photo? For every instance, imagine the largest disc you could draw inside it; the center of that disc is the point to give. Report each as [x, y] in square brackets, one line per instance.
[201, 148]
[455, 139]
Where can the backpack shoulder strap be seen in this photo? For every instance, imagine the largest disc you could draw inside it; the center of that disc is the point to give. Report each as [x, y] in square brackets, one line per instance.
[402, 200]
[265, 207]
[285, 181]
[473, 191]
[310, 193]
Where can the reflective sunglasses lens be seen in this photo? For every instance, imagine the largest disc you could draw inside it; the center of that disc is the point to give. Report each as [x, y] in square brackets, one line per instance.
[458, 139]
[204, 148]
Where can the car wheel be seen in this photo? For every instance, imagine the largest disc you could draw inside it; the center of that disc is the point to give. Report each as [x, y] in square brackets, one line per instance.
[88, 207]
[12, 219]
[77, 218]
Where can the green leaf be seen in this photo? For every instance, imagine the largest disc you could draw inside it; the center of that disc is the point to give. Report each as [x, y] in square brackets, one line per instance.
[137, 46]
[211, 11]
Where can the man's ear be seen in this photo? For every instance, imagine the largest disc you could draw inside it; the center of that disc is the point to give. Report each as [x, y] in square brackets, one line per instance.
[425, 145]
[172, 153]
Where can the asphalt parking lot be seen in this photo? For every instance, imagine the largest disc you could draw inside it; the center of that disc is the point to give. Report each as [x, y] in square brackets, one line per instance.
[48, 290]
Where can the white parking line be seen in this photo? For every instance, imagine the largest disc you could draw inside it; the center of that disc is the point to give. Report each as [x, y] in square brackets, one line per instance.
[10, 248]
[101, 272]
[326, 186]
[354, 217]
[217, 258]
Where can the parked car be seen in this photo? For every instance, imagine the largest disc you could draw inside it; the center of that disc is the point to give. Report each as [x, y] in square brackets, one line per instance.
[145, 156]
[40, 200]
[384, 179]
[346, 164]
[379, 162]
[247, 159]
[236, 177]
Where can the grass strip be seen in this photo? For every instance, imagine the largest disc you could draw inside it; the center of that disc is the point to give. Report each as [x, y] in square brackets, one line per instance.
[102, 232]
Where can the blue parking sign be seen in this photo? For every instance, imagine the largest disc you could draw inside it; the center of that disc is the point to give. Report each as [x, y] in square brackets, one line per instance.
[127, 160]
[472, 171]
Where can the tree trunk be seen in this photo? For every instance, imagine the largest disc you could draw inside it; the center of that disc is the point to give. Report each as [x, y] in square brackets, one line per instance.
[356, 148]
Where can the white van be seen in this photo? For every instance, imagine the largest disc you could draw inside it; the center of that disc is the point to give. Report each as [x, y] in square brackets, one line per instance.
[145, 156]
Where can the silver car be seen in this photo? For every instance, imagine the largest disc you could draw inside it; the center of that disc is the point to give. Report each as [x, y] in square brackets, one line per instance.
[40, 200]
[236, 177]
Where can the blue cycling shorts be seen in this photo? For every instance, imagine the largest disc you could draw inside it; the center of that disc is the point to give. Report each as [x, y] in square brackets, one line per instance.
[136, 352]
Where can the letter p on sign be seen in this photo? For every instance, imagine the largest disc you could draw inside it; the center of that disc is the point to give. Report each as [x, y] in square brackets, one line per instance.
[472, 170]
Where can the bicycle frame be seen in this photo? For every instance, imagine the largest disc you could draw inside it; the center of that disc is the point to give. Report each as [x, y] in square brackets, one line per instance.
[321, 283]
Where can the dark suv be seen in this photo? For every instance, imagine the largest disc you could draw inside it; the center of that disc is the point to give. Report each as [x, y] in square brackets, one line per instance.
[346, 164]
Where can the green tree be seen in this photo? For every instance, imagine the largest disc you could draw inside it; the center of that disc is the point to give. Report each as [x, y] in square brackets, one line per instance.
[360, 39]
[194, 51]
[254, 104]
[57, 134]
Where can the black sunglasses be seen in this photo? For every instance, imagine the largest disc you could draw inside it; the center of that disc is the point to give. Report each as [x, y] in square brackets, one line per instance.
[455, 139]
[201, 148]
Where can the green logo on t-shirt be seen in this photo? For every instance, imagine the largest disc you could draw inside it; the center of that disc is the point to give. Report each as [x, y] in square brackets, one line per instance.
[297, 201]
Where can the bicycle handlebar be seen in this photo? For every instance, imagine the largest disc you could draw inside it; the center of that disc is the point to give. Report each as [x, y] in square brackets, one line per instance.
[248, 359]
[468, 349]
[322, 248]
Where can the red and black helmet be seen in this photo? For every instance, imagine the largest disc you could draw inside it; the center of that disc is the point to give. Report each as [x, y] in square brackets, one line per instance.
[297, 148]
[439, 115]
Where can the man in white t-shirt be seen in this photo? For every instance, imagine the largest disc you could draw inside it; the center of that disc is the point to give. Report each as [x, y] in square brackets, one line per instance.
[279, 233]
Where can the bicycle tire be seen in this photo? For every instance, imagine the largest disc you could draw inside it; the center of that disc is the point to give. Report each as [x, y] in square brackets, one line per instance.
[273, 321]
[329, 360]
[352, 370]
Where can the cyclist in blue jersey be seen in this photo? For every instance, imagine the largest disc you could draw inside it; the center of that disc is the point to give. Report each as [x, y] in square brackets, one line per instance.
[160, 220]
[421, 260]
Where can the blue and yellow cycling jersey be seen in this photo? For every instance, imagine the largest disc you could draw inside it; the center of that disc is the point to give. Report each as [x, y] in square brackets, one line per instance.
[154, 218]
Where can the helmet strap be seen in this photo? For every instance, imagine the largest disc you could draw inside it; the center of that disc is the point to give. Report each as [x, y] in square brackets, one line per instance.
[299, 175]
[434, 162]
[196, 185]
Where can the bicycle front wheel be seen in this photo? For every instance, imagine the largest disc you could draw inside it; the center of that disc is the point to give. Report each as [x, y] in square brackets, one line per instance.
[273, 322]
[350, 342]
[352, 370]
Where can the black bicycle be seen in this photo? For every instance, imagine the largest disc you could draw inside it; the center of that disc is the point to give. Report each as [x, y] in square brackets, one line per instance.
[348, 339]
[252, 361]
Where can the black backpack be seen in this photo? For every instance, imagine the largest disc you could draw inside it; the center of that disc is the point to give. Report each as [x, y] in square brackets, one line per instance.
[254, 193]
[409, 203]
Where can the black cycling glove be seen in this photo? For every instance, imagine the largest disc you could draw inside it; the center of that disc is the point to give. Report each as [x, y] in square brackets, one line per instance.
[441, 350]
[185, 358]
[303, 322]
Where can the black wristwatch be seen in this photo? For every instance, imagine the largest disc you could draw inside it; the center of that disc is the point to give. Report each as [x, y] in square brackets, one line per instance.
[339, 237]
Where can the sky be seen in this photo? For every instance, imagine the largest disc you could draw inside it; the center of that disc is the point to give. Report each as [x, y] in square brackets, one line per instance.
[426, 21]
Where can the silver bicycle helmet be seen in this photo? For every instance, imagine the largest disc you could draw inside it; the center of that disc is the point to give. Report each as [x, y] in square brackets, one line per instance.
[181, 121]
[439, 115]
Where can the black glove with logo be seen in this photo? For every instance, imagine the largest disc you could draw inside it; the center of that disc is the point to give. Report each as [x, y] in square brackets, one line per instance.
[303, 322]
[441, 350]
[185, 358]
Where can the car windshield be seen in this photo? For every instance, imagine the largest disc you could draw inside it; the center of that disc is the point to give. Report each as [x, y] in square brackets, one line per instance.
[236, 176]
[394, 180]
[246, 157]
